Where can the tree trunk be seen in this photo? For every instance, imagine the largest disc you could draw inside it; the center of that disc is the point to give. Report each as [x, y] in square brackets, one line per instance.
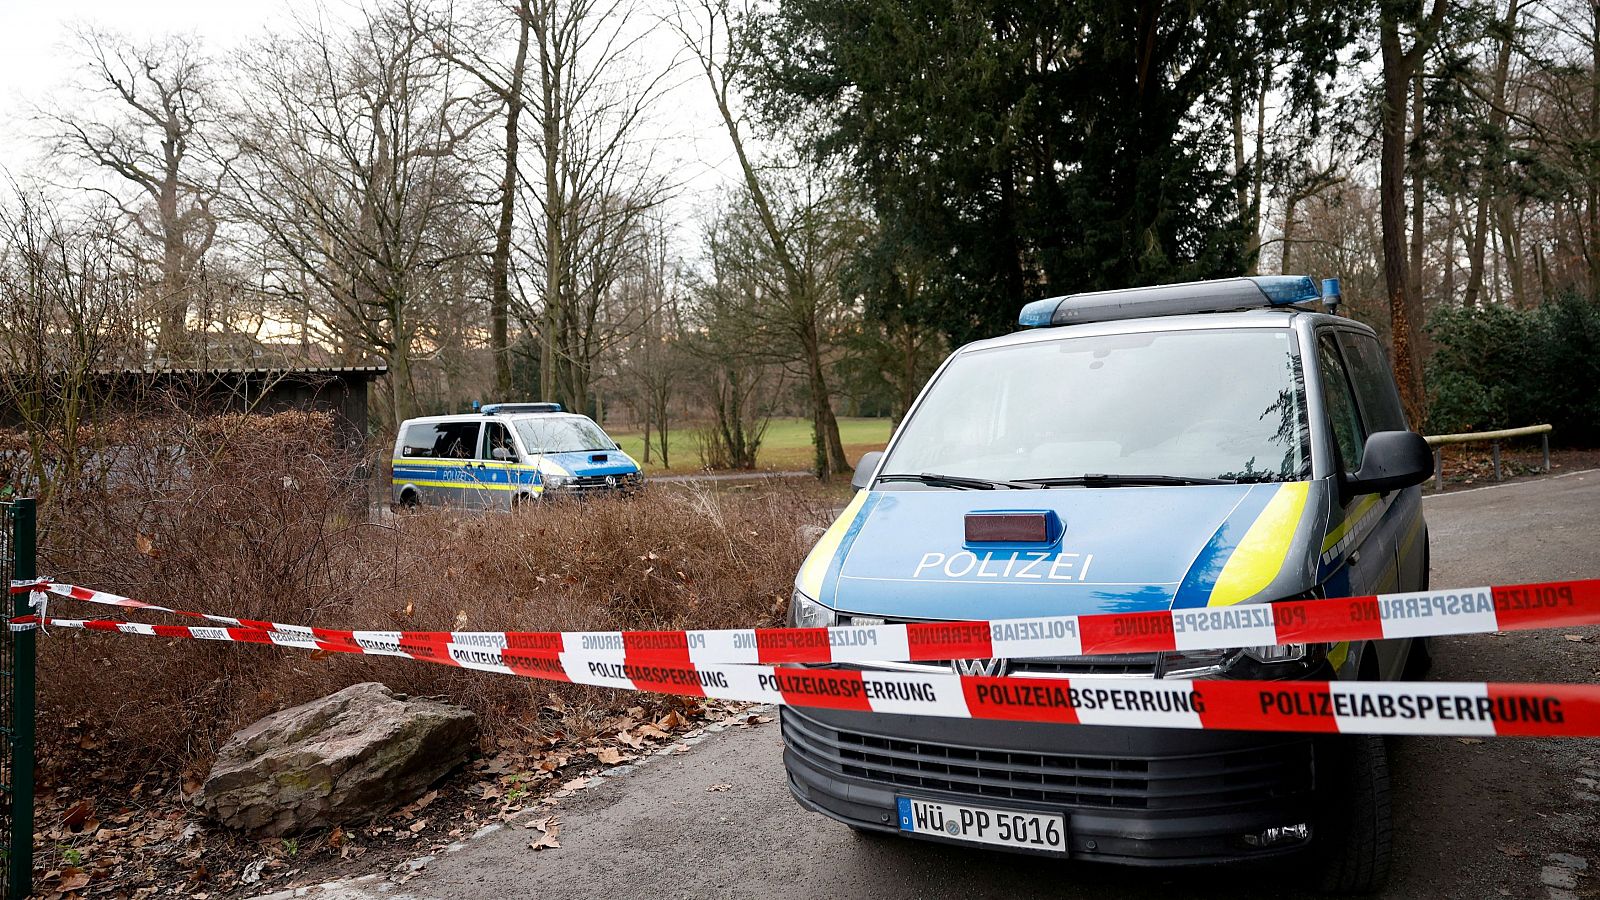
[1447, 274]
[1592, 176]
[551, 355]
[1241, 187]
[1418, 192]
[1392, 202]
[500, 259]
[1477, 247]
[1288, 234]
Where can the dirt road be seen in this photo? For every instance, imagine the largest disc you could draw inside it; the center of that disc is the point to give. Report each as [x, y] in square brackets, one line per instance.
[1473, 819]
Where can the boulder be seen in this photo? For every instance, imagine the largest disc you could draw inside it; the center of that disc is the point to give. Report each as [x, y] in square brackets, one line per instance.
[347, 757]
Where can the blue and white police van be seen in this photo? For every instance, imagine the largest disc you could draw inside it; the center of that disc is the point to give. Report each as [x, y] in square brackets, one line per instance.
[1191, 445]
[504, 455]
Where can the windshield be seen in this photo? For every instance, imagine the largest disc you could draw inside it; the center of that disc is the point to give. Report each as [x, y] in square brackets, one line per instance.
[561, 434]
[1213, 404]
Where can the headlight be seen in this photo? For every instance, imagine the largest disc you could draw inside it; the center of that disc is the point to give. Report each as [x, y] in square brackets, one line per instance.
[1277, 662]
[554, 481]
[1279, 653]
[805, 612]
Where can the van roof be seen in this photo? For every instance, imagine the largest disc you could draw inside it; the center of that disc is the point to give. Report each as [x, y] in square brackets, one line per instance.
[496, 417]
[1283, 317]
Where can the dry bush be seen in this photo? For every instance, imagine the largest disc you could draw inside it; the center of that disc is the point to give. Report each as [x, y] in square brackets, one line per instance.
[256, 517]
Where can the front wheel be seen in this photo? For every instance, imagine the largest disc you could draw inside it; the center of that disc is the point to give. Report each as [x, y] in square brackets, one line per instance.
[1354, 839]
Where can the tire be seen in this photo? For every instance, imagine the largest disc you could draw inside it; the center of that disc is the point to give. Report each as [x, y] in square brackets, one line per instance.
[1419, 661]
[1354, 843]
[408, 502]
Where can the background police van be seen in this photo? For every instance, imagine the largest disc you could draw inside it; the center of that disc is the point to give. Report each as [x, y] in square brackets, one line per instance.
[505, 455]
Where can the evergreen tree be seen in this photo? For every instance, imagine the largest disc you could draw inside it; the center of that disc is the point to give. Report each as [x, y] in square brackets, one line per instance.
[1041, 147]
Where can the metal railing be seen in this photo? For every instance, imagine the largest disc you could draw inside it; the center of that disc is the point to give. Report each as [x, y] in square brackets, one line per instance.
[1439, 441]
[17, 706]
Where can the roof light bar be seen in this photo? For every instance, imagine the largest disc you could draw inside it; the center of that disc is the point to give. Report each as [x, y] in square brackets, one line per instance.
[501, 408]
[1220, 295]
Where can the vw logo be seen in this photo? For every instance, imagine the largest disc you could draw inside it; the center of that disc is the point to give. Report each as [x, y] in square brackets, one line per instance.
[991, 667]
[611, 481]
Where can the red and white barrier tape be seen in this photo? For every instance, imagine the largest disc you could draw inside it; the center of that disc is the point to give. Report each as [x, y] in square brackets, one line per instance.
[1465, 708]
[1422, 614]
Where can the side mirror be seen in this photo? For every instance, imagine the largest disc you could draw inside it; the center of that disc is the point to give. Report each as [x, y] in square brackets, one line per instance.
[501, 453]
[861, 478]
[1391, 461]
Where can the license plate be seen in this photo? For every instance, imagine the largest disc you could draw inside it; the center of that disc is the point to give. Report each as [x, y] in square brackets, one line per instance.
[984, 825]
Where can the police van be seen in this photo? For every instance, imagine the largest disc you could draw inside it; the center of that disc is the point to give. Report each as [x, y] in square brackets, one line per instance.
[505, 455]
[1179, 446]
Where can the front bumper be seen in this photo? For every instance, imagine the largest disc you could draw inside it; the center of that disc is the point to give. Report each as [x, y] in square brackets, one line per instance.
[595, 485]
[1131, 795]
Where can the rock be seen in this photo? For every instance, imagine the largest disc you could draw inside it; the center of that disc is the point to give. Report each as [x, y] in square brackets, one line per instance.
[349, 756]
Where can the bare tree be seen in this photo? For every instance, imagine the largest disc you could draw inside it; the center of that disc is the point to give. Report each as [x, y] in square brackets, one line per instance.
[66, 307]
[722, 59]
[596, 181]
[347, 163]
[470, 43]
[147, 136]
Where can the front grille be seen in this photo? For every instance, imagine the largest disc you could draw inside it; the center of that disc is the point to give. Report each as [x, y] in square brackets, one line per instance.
[588, 483]
[1203, 782]
[1110, 665]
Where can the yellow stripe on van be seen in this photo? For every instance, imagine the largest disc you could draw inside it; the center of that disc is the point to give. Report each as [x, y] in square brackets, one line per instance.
[815, 567]
[1264, 548]
[1350, 521]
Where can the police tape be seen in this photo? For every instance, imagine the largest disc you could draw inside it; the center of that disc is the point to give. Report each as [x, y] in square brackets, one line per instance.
[1401, 615]
[1415, 708]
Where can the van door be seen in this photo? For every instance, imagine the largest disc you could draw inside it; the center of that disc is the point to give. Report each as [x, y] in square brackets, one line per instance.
[455, 444]
[494, 477]
[1379, 400]
[1361, 539]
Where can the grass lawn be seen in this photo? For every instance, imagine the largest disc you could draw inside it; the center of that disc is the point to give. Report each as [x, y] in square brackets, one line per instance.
[785, 447]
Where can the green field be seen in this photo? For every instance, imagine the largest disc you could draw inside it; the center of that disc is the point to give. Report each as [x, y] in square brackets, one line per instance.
[785, 447]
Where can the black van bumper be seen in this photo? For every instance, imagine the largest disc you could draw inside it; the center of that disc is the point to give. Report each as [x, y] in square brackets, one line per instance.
[1136, 796]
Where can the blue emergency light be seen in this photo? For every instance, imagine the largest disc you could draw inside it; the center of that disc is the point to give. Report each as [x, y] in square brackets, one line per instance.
[1220, 295]
[499, 408]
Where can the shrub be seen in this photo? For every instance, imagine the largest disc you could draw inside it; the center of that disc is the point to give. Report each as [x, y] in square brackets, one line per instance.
[260, 518]
[1497, 367]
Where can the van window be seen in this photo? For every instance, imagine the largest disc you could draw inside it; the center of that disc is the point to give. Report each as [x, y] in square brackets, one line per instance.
[1213, 403]
[562, 434]
[1340, 403]
[1373, 381]
[441, 440]
[497, 437]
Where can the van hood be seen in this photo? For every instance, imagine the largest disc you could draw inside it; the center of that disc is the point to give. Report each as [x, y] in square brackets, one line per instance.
[902, 554]
[586, 462]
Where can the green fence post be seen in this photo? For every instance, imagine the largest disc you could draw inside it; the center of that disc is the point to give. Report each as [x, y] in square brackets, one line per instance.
[22, 705]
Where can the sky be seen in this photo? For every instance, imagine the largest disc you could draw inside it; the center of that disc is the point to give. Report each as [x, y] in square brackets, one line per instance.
[34, 35]
[37, 68]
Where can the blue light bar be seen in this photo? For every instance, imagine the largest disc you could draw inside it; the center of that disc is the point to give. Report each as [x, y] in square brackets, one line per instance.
[1219, 295]
[497, 408]
[1282, 290]
[1037, 314]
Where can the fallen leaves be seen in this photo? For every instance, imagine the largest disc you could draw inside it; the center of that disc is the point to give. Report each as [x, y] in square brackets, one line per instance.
[78, 816]
[146, 546]
[549, 831]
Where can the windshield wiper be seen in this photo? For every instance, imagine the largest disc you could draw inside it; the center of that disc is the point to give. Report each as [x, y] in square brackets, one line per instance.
[1094, 479]
[960, 481]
